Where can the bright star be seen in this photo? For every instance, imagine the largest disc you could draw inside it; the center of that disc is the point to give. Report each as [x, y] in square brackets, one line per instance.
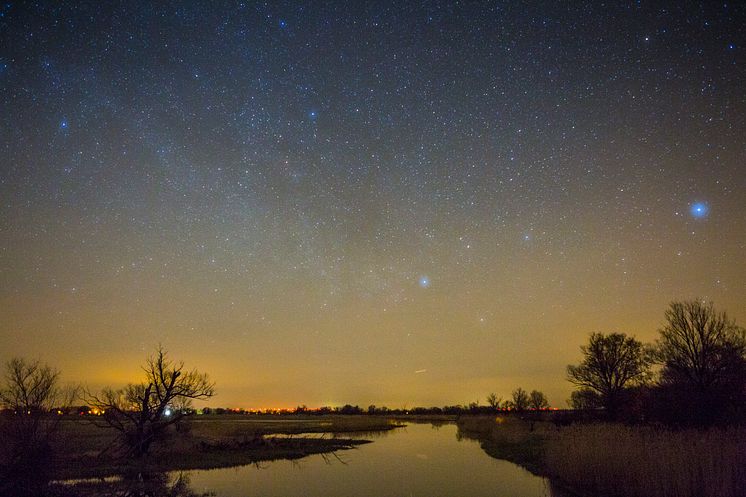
[699, 209]
[63, 124]
[424, 281]
[282, 23]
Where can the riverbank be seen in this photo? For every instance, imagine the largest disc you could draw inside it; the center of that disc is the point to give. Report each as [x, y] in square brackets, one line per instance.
[83, 450]
[191, 454]
[505, 437]
[616, 460]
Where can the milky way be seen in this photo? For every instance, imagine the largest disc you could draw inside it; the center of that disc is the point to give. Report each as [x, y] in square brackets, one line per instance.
[315, 201]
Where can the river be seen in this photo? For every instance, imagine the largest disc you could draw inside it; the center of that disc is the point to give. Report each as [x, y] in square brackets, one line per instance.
[419, 460]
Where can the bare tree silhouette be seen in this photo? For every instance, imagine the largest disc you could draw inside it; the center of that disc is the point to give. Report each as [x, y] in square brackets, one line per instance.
[494, 401]
[611, 363]
[519, 400]
[30, 391]
[142, 412]
[537, 400]
[703, 354]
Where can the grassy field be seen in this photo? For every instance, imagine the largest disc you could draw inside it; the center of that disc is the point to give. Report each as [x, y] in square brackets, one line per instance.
[620, 461]
[84, 450]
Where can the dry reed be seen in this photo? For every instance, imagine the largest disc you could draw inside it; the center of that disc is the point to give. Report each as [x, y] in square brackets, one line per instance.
[616, 460]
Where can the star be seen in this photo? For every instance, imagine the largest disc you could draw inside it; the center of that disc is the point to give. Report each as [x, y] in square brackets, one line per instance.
[424, 282]
[699, 210]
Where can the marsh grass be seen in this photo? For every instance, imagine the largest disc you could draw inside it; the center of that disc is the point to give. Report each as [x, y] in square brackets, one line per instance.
[617, 460]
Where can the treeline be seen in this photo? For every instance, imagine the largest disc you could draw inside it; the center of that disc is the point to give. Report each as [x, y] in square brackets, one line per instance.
[693, 374]
[348, 409]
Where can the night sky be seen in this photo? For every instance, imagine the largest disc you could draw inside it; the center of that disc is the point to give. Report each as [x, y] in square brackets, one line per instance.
[397, 203]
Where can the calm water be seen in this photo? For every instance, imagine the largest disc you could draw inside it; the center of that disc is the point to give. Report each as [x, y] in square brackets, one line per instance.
[416, 461]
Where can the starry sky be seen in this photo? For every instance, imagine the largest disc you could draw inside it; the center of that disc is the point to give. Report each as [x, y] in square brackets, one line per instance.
[397, 203]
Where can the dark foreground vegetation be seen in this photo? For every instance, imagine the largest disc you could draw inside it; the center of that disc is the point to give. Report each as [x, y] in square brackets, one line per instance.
[80, 449]
[617, 460]
[694, 374]
[209, 442]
